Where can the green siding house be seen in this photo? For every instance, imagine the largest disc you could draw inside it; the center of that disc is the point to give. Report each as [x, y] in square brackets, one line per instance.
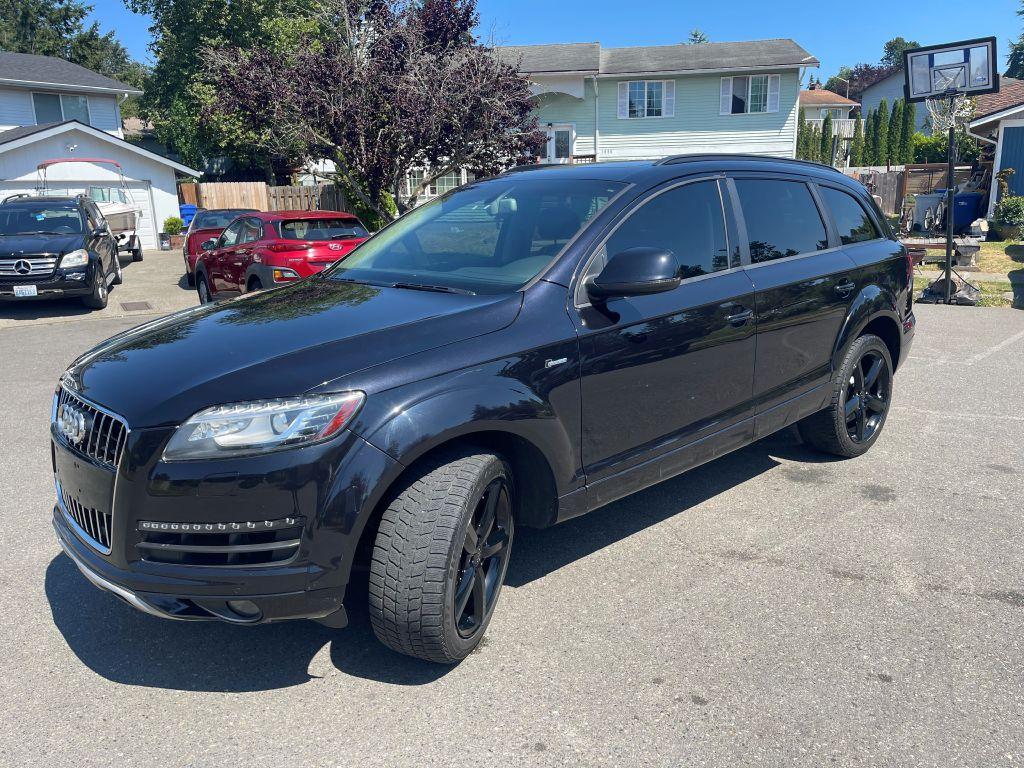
[600, 104]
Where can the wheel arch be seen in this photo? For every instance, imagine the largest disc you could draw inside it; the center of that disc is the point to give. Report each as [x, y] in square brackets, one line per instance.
[873, 311]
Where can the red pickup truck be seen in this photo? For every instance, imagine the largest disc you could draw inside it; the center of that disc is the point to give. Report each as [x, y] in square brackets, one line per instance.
[261, 250]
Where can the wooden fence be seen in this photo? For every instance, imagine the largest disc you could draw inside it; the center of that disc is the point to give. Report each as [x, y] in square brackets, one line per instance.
[258, 195]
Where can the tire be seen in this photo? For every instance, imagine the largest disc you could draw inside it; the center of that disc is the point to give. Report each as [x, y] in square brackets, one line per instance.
[118, 274]
[254, 285]
[860, 402]
[429, 553]
[98, 298]
[190, 279]
[205, 297]
[136, 248]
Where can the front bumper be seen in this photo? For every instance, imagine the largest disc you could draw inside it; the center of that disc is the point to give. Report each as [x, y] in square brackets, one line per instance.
[331, 488]
[55, 286]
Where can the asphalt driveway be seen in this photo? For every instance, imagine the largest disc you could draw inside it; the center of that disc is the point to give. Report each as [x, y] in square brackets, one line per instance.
[770, 608]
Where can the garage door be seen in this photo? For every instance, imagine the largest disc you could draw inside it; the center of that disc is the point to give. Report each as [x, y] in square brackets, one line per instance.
[139, 190]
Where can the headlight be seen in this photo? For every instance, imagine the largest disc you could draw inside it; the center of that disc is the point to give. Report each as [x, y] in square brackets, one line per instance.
[260, 426]
[77, 258]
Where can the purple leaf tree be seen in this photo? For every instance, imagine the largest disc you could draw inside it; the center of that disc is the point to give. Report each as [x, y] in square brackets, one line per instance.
[382, 88]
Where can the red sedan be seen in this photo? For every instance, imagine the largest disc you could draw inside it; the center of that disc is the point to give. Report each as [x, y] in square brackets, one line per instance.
[261, 250]
[207, 223]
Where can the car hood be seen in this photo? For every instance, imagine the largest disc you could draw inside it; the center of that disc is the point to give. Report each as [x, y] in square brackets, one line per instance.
[273, 344]
[26, 245]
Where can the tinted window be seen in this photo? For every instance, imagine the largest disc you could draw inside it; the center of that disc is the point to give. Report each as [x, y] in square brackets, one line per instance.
[782, 219]
[217, 219]
[35, 217]
[686, 220]
[489, 237]
[322, 229]
[852, 222]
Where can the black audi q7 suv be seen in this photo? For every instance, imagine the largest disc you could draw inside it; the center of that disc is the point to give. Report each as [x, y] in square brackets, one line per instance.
[518, 352]
[56, 247]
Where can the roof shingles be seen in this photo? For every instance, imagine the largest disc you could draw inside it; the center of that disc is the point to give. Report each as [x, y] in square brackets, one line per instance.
[57, 73]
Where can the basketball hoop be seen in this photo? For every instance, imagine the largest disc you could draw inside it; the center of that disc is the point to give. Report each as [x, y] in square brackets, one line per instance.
[953, 110]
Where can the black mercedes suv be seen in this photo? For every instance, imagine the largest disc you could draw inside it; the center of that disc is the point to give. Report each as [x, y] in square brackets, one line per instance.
[518, 352]
[55, 247]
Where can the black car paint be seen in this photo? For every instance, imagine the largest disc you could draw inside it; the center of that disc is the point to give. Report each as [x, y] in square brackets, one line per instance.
[100, 244]
[592, 401]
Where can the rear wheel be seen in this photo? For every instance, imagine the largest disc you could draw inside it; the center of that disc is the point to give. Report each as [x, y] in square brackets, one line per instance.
[440, 557]
[118, 275]
[136, 248]
[861, 395]
[203, 290]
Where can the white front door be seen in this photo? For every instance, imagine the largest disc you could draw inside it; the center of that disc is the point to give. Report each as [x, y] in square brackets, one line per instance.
[560, 141]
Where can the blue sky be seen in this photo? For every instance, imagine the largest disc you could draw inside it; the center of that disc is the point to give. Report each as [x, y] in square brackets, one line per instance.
[837, 33]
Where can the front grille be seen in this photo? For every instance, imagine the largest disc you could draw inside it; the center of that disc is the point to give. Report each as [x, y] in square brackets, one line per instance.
[105, 433]
[39, 266]
[262, 542]
[94, 524]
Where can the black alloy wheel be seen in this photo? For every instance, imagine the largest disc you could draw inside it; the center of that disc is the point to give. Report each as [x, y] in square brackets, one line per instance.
[484, 556]
[867, 396]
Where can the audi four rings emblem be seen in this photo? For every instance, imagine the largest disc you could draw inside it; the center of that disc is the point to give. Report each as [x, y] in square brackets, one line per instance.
[71, 423]
[23, 267]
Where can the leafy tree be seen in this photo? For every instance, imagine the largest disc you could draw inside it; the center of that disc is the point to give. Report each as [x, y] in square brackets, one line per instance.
[1015, 58]
[841, 81]
[896, 137]
[857, 144]
[57, 28]
[826, 139]
[882, 134]
[697, 37]
[892, 51]
[909, 126]
[389, 86]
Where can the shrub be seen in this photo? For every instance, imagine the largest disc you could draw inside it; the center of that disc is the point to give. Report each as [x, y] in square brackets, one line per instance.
[173, 225]
[1010, 210]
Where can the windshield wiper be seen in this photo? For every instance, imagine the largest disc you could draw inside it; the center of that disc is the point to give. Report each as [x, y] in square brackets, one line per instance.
[435, 288]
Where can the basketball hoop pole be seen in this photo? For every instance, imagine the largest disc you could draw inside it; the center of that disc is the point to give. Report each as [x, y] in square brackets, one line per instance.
[950, 199]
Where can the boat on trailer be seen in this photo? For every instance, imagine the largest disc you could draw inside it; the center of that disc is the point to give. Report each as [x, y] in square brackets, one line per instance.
[115, 201]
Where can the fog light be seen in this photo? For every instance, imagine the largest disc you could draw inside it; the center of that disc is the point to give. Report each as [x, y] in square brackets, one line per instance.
[75, 275]
[244, 608]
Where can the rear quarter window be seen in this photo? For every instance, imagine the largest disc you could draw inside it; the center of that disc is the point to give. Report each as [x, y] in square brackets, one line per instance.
[782, 219]
[852, 222]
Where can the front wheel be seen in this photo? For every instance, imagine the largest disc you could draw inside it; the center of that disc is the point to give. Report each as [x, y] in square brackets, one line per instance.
[861, 396]
[440, 557]
[98, 298]
[203, 290]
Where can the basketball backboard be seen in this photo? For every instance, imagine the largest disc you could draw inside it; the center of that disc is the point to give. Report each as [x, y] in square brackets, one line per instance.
[967, 67]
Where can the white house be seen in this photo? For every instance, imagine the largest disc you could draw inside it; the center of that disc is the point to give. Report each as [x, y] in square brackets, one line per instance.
[999, 121]
[50, 108]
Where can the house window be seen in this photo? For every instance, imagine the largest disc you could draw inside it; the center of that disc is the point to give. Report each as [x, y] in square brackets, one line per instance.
[446, 183]
[836, 112]
[55, 108]
[750, 94]
[646, 98]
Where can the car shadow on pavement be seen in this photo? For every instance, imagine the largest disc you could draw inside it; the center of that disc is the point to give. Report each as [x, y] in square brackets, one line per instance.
[126, 646]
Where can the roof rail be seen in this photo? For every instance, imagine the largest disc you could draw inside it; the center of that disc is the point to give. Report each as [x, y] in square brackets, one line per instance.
[677, 159]
[13, 197]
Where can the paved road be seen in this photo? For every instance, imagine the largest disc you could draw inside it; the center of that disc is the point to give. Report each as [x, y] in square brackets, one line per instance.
[156, 284]
[769, 608]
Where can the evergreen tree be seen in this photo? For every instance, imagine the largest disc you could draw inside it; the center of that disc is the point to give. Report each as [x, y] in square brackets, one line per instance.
[697, 37]
[896, 137]
[870, 138]
[826, 139]
[909, 128]
[801, 135]
[857, 144]
[882, 131]
[814, 144]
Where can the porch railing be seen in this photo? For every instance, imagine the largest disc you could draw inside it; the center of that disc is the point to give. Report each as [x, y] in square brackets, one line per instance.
[842, 128]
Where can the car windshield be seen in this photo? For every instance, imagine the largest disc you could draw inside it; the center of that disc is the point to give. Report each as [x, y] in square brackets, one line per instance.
[40, 217]
[217, 219]
[490, 237]
[108, 195]
[322, 229]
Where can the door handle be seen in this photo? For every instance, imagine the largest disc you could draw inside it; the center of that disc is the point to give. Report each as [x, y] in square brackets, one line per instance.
[845, 288]
[740, 317]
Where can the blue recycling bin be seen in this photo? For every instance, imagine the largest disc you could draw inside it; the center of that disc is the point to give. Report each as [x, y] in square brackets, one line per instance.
[966, 208]
[187, 213]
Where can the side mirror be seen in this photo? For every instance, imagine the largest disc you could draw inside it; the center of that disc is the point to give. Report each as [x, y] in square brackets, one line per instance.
[636, 272]
[209, 245]
[101, 230]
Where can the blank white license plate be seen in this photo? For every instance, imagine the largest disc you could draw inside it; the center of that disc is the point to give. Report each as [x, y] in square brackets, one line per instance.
[25, 290]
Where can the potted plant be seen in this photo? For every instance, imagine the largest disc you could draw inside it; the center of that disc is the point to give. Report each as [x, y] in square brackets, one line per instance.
[1008, 222]
[174, 227]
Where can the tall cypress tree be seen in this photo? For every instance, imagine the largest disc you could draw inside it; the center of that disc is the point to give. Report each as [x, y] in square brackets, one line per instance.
[826, 139]
[801, 135]
[896, 137]
[882, 145]
[857, 144]
[909, 128]
[814, 144]
[870, 138]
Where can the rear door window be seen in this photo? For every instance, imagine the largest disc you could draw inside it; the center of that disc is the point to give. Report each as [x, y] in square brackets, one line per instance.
[250, 231]
[782, 219]
[852, 222]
